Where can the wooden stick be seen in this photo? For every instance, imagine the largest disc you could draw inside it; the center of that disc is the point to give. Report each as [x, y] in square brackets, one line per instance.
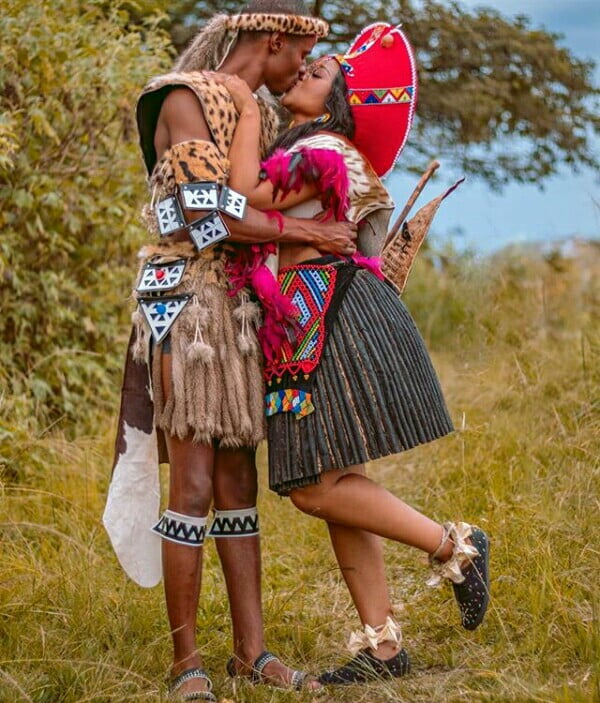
[431, 169]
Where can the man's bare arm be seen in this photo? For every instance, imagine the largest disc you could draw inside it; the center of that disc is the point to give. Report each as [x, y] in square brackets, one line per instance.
[181, 119]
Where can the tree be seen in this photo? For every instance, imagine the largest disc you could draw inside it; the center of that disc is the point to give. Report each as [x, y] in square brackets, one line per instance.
[500, 98]
[71, 186]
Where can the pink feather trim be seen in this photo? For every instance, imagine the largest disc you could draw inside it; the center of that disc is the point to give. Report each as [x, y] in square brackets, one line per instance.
[370, 263]
[247, 268]
[290, 171]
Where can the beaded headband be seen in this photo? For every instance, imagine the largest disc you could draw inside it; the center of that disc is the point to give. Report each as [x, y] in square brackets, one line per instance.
[287, 24]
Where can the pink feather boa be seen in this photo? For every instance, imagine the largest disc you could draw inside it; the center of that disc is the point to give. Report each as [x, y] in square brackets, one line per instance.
[247, 268]
[290, 171]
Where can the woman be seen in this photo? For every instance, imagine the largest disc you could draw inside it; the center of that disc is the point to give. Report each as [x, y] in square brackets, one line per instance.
[349, 379]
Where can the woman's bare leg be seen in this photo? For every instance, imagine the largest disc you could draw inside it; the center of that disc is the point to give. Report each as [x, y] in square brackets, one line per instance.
[190, 493]
[359, 555]
[347, 497]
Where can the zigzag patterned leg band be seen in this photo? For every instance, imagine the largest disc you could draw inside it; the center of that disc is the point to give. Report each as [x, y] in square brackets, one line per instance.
[182, 529]
[235, 523]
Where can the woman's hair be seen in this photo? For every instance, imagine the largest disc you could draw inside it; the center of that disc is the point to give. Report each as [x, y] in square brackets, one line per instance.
[341, 120]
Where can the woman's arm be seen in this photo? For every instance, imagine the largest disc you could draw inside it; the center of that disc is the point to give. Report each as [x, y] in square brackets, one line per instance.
[244, 154]
[182, 120]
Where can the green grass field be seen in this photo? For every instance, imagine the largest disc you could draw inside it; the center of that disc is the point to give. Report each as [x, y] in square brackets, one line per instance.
[517, 347]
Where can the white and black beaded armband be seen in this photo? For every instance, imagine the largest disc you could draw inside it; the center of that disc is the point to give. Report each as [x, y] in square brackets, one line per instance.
[201, 196]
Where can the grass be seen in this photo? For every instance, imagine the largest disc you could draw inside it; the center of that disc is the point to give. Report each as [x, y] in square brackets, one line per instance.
[517, 347]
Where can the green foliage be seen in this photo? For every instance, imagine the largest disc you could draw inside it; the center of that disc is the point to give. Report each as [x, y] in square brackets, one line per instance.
[71, 182]
[500, 98]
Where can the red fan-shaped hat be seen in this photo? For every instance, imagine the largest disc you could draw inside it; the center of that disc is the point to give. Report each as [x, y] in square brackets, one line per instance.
[381, 75]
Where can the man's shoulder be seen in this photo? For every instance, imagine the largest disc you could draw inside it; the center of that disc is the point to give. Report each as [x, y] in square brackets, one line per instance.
[202, 85]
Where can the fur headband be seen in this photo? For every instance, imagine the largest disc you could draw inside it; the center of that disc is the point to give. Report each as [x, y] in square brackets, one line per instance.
[288, 24]
[210, 47]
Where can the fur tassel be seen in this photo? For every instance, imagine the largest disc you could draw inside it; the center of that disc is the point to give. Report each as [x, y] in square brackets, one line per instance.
[200, 352]
[139, 350]
[209, 48]
[247, 311]
[149, 219]
[247, 344]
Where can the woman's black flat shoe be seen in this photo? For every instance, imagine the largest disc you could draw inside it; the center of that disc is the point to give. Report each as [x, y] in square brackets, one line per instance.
[367, 667]
[473, 594]
[468, 569]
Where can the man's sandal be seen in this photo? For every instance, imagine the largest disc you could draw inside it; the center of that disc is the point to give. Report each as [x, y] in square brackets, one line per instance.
[257, 676]
[177, 682]
[468, 569]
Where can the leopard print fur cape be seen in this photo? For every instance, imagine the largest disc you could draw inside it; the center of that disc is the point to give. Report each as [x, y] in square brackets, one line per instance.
[218, 107]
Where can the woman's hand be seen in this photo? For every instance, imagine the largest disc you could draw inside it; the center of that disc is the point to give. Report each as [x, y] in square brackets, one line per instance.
[243, 98]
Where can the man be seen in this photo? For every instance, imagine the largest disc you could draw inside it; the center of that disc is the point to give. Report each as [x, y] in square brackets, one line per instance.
[197, 343]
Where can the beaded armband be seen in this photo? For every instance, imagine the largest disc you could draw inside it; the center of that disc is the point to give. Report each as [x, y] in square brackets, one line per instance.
[205, 195]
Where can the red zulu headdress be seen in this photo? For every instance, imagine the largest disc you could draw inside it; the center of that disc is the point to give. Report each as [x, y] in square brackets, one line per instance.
[381, 75]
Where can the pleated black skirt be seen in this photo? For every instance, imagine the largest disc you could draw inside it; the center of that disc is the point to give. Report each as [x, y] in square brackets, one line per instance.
[375, 392]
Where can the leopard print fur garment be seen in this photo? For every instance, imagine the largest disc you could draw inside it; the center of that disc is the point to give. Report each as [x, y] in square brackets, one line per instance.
[367, 193]
[271, 22]
[218, 107]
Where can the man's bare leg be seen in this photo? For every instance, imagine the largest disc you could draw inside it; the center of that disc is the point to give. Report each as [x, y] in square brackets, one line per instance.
[190, 494]
[236, 488]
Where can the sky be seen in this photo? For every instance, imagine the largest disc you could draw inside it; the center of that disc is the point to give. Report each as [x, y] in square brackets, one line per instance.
[474, 216]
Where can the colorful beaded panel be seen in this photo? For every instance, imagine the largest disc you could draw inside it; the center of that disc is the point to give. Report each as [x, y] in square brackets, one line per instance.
[385, 96]
[310, 288]
[290, 400]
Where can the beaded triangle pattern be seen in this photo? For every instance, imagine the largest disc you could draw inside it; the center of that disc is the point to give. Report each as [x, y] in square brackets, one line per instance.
[200, 196]
[190, 531]
[208, 230]
[169, 215]
[161, 277]
[161, 313]
[391, 96]
[232, 203]
[234, 526]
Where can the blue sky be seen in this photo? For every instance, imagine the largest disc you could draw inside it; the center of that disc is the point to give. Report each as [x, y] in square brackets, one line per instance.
[520, 213]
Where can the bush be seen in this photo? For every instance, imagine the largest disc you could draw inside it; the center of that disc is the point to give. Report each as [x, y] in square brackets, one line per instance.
[71, 186]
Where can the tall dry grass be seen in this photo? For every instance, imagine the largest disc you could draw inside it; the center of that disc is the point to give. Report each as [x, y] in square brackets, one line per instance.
[516, 342]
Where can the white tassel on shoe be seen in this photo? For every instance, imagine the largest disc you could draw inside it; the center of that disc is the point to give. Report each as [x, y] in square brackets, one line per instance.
[371, 637]
[462, 553]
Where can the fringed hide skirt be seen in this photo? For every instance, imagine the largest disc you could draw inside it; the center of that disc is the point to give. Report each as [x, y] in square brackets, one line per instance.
[216, 388]
[373, 393]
